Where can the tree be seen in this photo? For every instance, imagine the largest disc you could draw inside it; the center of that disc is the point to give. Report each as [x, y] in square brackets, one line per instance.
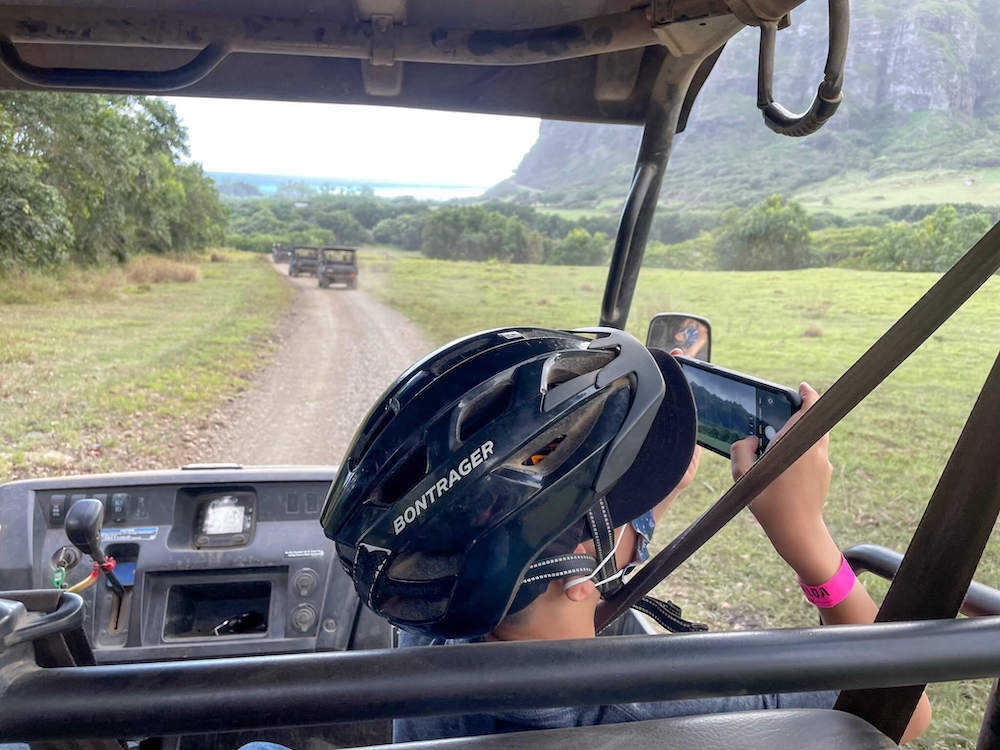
[580, 248]
[389, 231]
[346, 228]
[772, 235]
[697, 254]
[295, 191]
[933, 244]
[239, 189]
[473, 233]
[203, 220]
[113, 162]
[34, 229]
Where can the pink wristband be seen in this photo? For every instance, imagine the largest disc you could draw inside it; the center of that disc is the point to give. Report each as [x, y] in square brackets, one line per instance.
[834, 591]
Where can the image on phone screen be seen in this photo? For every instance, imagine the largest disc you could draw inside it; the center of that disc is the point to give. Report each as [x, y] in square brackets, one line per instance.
[730, 410]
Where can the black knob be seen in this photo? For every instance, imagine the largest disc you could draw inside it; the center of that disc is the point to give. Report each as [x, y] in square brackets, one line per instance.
[305, 582]
[83, 527]
[304, 618]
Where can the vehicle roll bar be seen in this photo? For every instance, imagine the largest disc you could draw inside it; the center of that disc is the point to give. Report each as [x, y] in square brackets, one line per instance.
[217, 695]
[640, 205]
[980, 601]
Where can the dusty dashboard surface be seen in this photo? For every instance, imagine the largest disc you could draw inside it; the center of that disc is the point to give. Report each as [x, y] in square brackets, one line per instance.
[214, 562]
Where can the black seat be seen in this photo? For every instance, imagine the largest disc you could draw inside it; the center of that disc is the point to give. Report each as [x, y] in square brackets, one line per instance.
[784, 729]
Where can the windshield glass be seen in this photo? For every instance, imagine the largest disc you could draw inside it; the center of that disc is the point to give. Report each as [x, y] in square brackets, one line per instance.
[147, 321]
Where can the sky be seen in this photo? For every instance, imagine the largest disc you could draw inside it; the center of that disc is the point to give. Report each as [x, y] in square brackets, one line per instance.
[353, 142]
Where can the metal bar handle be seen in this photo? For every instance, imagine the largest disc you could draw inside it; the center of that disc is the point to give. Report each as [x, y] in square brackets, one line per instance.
[830, 93]
[131, 81]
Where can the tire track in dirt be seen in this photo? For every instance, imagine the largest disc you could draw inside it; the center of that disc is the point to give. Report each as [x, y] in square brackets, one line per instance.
[339, 350]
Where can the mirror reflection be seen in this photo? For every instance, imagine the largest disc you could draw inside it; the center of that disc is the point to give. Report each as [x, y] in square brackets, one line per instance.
[692, 334]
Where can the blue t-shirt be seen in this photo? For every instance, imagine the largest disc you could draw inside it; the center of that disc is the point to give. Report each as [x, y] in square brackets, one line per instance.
[439, 727]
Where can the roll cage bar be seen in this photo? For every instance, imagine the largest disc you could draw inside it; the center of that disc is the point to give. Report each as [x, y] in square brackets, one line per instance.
[871, 662]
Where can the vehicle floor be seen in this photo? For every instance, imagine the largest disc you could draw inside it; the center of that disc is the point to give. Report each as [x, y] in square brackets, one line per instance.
[339, 350]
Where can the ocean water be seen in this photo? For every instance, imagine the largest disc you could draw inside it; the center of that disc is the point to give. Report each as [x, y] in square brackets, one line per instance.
[269, 184]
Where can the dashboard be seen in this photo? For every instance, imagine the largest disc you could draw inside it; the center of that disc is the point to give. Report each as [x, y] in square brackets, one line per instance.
[214, 561]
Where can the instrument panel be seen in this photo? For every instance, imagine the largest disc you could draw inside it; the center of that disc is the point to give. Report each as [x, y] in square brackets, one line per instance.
[214, 562]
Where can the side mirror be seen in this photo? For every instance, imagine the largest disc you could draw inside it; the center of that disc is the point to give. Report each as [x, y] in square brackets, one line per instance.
[690, 333]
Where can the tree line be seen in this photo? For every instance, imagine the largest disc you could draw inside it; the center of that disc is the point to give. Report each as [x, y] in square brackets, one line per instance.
[776, 234]
[495, 230]
[91, 178]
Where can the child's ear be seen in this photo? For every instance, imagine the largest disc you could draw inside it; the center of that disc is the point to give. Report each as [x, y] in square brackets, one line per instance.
[581, 591]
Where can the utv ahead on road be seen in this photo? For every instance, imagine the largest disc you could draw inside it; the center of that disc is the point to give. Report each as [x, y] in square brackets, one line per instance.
[338, 265]
[279, 252]
[303, 259]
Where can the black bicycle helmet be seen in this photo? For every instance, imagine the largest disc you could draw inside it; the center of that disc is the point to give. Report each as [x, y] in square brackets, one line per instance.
[477, 459]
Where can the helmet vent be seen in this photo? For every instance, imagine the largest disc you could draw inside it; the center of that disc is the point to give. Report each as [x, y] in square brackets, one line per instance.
[569, 365]
[371, 430]
[483, 409]
[403, 478]
[425, 566]
[542, 453]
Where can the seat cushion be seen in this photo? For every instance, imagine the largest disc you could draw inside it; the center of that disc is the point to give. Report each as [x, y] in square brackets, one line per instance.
[784, 729]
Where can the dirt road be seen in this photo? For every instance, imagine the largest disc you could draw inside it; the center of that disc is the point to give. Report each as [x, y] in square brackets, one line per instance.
[339, 350]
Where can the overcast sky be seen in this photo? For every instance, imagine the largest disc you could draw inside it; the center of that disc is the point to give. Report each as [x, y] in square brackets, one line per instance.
[354, 142]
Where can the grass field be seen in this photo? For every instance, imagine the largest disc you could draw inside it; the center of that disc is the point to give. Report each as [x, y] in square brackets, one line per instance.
[858, 193]
[103, 369]
[887, 454]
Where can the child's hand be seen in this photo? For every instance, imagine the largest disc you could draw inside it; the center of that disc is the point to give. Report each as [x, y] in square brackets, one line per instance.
[791, 509]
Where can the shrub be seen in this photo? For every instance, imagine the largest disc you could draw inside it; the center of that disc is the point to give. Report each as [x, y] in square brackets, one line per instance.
[933, 244]
[773, 235]
[697, 254]
[580, 248]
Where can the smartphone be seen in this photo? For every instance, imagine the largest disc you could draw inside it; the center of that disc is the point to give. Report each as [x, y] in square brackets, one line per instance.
[732, 406]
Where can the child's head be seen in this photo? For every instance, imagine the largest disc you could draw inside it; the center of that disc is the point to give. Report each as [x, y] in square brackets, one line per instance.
[467, 490]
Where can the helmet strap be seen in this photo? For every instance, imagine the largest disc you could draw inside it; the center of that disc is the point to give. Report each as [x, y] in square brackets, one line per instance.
[666, 614]
[603, 534]
[560, 566]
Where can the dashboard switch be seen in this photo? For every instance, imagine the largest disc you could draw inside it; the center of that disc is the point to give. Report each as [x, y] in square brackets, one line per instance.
[305, 582]
[119, 506]
[293, 502]
[304, 618]
[312, 502]
[57, 509]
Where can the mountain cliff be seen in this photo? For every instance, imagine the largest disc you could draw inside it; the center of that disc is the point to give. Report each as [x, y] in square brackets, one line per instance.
[921, 94]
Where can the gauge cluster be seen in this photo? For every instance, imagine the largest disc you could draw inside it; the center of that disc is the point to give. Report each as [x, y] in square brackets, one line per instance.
[225, 519]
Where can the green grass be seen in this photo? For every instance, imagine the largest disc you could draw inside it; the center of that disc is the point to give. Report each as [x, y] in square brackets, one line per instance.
[887, 454]
[858, 193]
[575, 214]
[99, 374]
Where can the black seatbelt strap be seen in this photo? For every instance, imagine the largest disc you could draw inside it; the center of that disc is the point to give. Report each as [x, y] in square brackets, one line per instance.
[875, 365]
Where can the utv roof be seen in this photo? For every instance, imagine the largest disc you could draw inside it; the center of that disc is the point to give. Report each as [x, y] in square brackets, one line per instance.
[598, 60]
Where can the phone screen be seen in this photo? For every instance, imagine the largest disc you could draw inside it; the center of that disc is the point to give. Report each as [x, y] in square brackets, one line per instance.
[730, 410]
